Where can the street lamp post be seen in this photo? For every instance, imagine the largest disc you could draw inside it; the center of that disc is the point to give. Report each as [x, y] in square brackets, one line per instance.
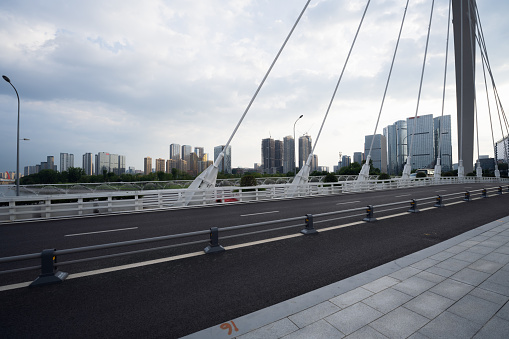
[17, 139]
[295, 146]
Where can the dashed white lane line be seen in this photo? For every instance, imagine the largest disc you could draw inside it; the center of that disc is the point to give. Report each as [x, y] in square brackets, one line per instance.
[105, 231]
[403, 195]
[248, 215]
[347, 202]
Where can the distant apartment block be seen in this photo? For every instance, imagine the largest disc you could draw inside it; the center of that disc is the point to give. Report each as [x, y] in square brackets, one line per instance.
[66, 161]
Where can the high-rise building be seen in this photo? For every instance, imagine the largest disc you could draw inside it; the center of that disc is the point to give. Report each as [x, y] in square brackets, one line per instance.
[442, 125]
[502, 150]
[121, 165]
[147, 165]
[397, 149]
[378, 152]
[49, 163]
[66, 161]
[288, 154]
[420, 142]
[226, 164]
[159, 165]
[278, 155]
[346, 161]
[268, 151]
[186, 152]
[304, 149]
[193, 164]
[314, 163]
[87, 164]
[200, 152]
[358, 157]
[175, 151]
[110, 163]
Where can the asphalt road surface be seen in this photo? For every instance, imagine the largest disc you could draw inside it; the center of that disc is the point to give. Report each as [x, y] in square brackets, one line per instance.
[179, 297]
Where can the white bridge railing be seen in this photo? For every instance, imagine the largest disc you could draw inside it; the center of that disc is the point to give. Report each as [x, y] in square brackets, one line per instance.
[38, 207]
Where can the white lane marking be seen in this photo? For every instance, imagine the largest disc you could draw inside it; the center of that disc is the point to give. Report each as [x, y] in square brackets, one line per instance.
[247, 215]
[441, 191]
[347, 202]
[403, 195]
[106, 231]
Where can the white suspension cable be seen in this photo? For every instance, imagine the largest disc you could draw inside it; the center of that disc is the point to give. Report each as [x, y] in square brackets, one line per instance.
[302, 176]
[207, 179]
[438, 165]
[408, 166]
[341, 76]
[365, 170]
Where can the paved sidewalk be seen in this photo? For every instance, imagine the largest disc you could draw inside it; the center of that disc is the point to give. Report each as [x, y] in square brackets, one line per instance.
[456, 289]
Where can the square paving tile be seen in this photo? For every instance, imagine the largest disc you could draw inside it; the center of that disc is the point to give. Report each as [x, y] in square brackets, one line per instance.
[486, 266]
[493, 243]
[469, 243]
[452, 264]
[481, 249]
[440, 256]
[494, 287]
[414, 286]
[349, 298]
[452, 289]
[457, 249]
[430, 277]
[405, 273]
[480, 238]
[504, 312]
[471, 277]
[490, 296]
[500, 277]
[380, 284]
[474, 309]
[387, 300]
[495, 328]
[440, 271]
[366, 332]
[503, 249]
[425, 263]
[468, 256]
[352, 318]
[318, 330]
[399, 323]
[449, 325]
[313, 314]
[276, 329]
[429, 304]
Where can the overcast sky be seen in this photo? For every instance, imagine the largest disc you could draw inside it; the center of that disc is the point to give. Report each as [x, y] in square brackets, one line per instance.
[132, 77]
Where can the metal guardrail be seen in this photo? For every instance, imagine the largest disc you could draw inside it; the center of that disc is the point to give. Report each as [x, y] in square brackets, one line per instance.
[77, 205]
[48, 257]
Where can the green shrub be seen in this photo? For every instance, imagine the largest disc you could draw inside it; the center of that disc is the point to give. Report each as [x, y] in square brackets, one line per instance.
[384, 176]
[248, 180]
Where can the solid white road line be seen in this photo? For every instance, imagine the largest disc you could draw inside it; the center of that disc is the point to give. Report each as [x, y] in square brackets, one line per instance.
[347, 202]
[441, 191]
[106, 231]
[248, 215]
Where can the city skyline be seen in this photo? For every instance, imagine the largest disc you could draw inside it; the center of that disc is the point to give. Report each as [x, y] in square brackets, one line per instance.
[122, 84]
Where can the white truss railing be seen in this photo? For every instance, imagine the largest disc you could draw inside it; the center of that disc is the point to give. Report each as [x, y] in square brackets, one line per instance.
[82, 203]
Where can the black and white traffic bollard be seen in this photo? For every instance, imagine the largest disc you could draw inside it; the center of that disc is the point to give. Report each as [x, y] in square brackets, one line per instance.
[214, 246]
[309, 226]
[467, 196]
[439, 202]
[49, 275]
[369, 214]
[413, 206]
